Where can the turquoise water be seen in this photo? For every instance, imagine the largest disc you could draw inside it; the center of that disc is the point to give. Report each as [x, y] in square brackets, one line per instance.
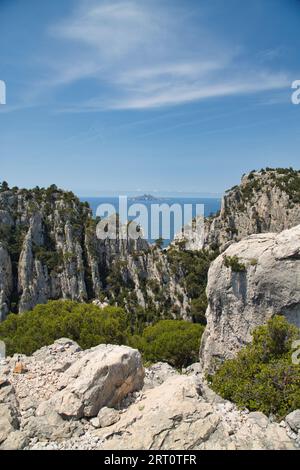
[210, 206]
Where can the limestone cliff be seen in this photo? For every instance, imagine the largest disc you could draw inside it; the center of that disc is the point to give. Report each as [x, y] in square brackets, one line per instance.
[49, 250]
[248, 284]
[265, 201]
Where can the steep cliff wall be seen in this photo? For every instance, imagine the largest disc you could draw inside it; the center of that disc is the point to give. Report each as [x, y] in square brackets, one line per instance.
[249, 283]
[49, 250]
[265, 201]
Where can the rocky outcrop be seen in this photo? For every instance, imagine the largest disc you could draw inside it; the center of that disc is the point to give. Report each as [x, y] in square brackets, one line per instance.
[293, 420]
[174, 416]
[9, 415]
[157, 374]
[248, 284]
[103, 376]
[172, 411]
[49, 250]
[42, 231]
[265, 201]
[60, 386]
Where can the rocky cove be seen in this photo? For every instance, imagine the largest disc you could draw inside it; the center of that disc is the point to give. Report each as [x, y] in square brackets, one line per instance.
[104, 397]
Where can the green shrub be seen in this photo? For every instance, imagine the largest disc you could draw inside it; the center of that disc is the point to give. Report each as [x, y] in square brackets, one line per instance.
[192, 267]
[86, 324]
[234, 263]
[174, 341]
[198, 308]
[262, 377]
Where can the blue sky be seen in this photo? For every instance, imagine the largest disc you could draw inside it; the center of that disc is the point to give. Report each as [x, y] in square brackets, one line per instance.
[147, 95]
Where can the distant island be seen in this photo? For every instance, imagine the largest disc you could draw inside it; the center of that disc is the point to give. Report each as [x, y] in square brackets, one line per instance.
[144, 197]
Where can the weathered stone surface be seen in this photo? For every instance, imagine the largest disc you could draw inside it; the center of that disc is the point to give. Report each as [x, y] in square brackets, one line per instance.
[260, 204]
[173, 416]
[157, 374]
[60, 355]
[177, 412]
[106, 417]
[169, 416]
[258, 433]
[8, 421]
[193, 369]
[16, 440]
[6, 281]
[102, 377]
[293, 420]
[9, 414]
[240, 301]
[48, 426]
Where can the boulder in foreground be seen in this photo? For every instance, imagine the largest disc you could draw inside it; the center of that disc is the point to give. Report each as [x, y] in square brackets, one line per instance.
[103, 376]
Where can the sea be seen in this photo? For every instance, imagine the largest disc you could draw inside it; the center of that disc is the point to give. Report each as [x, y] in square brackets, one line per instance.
[198, 205]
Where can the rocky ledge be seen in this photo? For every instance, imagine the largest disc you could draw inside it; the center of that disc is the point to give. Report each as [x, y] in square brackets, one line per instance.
[64, 398]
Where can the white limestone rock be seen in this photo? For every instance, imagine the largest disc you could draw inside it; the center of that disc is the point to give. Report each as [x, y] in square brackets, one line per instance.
[240, 301]
[103, 376]
[293, 420]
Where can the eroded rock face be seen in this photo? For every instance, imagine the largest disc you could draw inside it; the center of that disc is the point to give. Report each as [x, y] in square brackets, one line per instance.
[9, 416]
[61, 384]
[174, 416]
[293, 420]
[103, 376]
[267, 284]
[264, 202]
[6, 281]
[157, 374]
[49, 250]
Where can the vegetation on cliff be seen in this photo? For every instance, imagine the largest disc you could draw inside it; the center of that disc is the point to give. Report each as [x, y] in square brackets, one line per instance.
[53, 227]
[234, 263]
[193, 267]
[285, 179]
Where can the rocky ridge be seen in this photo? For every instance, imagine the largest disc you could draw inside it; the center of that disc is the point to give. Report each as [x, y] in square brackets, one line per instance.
[265, 201]
[170, 411]
[49, 250]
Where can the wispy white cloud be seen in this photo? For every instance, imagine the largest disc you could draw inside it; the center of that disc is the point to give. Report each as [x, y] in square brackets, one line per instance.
[141, 55]
[199, 91]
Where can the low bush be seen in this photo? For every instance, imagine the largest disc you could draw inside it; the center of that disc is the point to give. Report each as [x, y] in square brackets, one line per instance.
[174, 341]
[263, 377]
[86, 324]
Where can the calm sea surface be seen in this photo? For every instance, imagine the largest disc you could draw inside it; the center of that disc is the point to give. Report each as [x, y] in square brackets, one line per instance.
[210, 205]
